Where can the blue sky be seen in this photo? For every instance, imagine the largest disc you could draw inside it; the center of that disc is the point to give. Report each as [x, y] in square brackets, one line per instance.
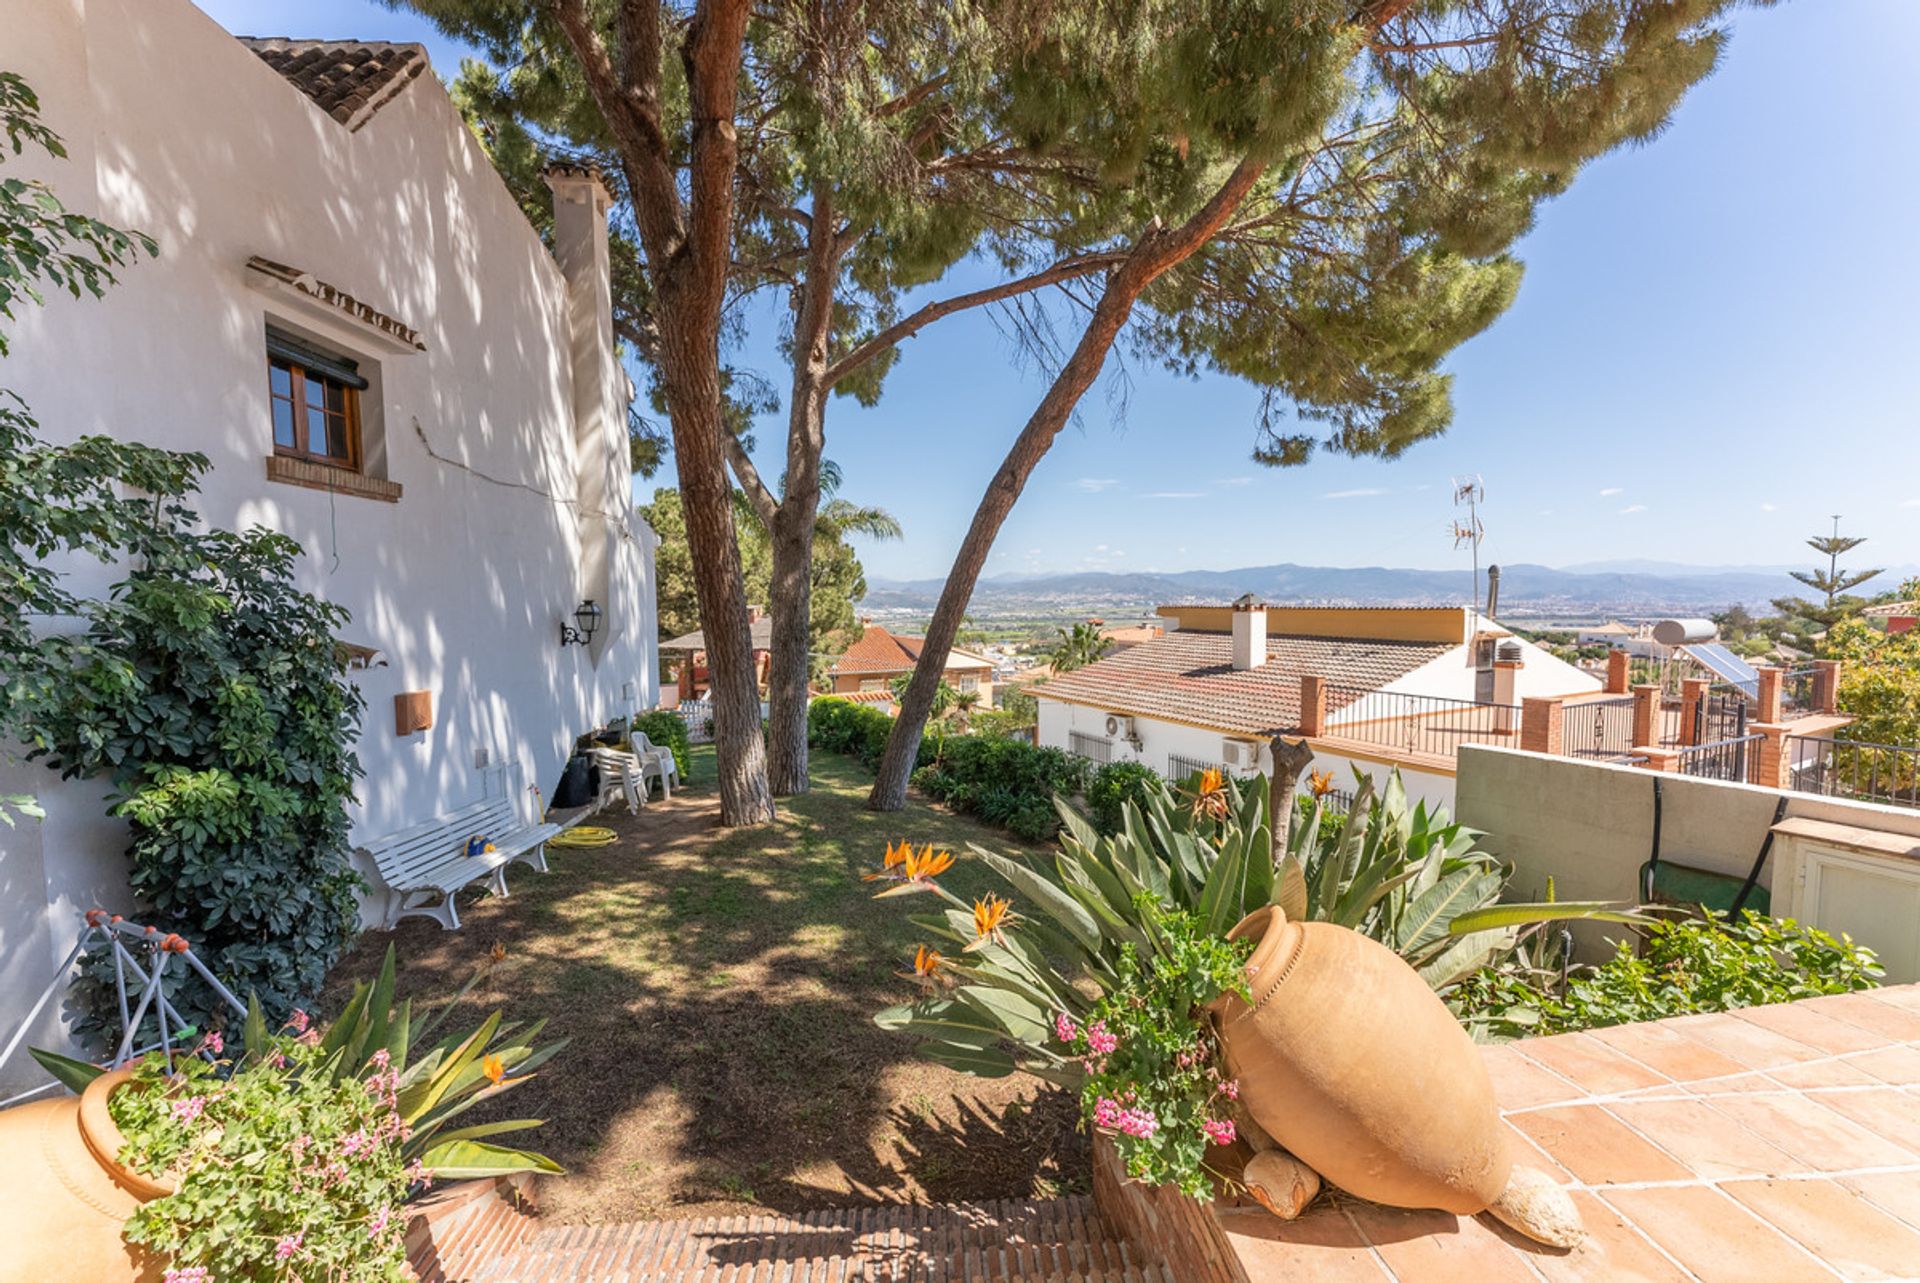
[1712, 351]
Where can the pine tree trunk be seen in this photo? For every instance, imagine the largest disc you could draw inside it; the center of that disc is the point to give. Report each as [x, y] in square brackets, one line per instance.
[1157, 251]
[793, 524]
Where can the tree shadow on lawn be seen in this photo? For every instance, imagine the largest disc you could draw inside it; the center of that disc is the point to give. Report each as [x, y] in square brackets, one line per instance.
[717, 989]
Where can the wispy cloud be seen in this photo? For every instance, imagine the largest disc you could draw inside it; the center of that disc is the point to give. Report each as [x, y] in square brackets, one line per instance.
[1094, 485]
[1911, 503]
[1175, 494]
[1362, 492]
[1769, 507]
[1234, 481]
[1610, 492]
[1633, 508]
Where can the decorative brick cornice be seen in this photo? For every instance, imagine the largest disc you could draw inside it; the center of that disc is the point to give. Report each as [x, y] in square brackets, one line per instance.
[332, 297]
[320, 476]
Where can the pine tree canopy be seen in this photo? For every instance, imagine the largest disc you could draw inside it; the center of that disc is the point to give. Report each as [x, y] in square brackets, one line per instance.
[1405, 146]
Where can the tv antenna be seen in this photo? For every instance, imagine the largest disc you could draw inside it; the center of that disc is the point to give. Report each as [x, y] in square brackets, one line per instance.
[1469, 493]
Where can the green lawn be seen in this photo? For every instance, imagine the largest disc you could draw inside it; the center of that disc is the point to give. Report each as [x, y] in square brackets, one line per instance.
[718, 988]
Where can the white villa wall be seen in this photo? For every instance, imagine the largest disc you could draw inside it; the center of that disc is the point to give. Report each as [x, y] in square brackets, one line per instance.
[175, 128]
[1160, 740]
[1588, 826]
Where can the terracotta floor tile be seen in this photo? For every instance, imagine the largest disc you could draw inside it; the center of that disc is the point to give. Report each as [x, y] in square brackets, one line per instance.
[1436, 1247]
[1597, 1148]
[1905, 996]
[1836, 1225]
[1895, 1193]
[1706, 1141]
[1527, 1150]
[1887, 1112]
[1714, 1237]
[1672, 1053]
[1807, 1024]
[1591, 1063]
[1822, 1073]
[1613, 1251]
[1819, 1139]
[1744, 1041]
[1323, 1246]
[1757, 1080]
[1519, 1083]
[1897, 1065]
[1870, 1012]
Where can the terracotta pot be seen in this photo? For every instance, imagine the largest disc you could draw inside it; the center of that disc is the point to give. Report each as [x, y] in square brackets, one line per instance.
[1348, 1060]
[67, 1198]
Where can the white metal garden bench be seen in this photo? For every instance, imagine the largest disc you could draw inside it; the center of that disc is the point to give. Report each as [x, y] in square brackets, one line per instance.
[424, 866]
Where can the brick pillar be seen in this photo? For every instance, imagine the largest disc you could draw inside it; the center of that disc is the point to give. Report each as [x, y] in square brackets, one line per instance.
[1772, 767]
[1771, 693]
[1693, 698]
[1646, 714]
[1541, 723]
[1313, 705]
[1660, 759]
[1619, 672]
[1829, 685]
[1506, 681]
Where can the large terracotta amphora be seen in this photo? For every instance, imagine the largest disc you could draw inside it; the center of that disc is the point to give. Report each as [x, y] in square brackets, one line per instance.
[1349, 1062]
[66, 1197]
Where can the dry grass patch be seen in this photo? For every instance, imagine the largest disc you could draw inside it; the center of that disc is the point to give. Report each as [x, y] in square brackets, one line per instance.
[718, 989]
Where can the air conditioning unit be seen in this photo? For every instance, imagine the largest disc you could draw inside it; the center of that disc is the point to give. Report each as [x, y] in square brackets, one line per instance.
[1119, 727]
[1240, 755]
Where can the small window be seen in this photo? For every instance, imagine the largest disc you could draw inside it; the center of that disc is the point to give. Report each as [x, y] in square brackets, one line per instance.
[873, 684]
[1090, 747]
[968, 685]
[315, 400]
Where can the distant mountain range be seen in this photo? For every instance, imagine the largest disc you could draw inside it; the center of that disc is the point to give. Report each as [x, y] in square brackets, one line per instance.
[1617, 587]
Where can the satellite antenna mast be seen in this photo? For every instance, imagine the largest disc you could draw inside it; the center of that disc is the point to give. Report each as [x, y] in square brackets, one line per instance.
[1468, 493]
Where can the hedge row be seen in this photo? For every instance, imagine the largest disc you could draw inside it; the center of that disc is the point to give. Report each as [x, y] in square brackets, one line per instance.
[858, 730]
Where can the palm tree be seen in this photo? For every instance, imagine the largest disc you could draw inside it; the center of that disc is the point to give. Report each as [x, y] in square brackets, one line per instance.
[1078, 648]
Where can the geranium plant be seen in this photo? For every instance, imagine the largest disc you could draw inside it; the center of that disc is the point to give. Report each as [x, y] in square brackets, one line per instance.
[1155, 1082]
[283, 1169]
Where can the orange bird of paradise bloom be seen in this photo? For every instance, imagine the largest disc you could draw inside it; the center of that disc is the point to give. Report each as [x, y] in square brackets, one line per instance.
[1320, 783]
[927, 964]
[896, 856]
[494, 1068]
[1210, 794]
[989, 915]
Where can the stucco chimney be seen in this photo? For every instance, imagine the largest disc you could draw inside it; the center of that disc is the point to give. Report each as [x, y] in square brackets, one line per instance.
[1249, 635]
[600, 387]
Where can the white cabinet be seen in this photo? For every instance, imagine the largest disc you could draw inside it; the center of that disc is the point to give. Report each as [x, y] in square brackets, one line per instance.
[1858, 881]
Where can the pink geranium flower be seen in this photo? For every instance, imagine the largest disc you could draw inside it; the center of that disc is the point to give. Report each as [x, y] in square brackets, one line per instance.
[1139, 1122]
[287, 1246]
[1219, 1131]
[1100, 1040]
[1106, 1112]
[185, 1111]
[1064, 1028]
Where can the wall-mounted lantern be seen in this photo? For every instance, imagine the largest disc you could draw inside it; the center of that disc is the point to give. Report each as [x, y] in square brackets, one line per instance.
[587, 616]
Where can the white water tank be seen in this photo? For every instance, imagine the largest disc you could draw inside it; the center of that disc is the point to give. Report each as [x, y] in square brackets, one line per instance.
[1683, 632]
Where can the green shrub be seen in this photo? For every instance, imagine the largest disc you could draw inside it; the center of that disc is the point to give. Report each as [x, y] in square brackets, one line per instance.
[667, 730]
[1689, 965]
[858, 730]
[1114, 785]
[1006, 783]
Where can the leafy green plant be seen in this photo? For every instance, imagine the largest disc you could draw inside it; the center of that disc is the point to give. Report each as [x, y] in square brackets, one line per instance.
[1112, 786]
[441, 1079]
[1689, 965]
[1154, 1082]
[666, 730]
[284, 1168]
[1408, 877]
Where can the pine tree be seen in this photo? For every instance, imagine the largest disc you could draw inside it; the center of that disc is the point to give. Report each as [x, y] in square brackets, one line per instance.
[1833, 582]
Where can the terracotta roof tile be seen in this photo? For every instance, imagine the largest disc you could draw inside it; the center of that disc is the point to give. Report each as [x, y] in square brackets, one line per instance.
[350, 80]
[879, 651]
[1189, 677]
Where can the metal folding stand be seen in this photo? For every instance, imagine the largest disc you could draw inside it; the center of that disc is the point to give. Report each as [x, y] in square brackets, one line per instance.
[111, 931]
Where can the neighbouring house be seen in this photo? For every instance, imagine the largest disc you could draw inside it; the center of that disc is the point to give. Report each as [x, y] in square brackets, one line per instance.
[1129, 636]
[689, 653]
[1898, 616]
[1635, 639]
[865, 671]
[1369, 687]
[351, 317]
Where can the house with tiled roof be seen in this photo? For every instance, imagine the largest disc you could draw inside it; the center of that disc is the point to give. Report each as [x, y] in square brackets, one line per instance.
[1371, 688]
[351, 318]
[865, 671]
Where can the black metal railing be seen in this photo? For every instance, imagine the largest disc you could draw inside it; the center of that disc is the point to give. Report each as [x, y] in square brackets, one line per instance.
[1425, 724]
[1599, 730]
[1728, 759]
[1722, 716]
[1858, 769]
[1180, 769]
